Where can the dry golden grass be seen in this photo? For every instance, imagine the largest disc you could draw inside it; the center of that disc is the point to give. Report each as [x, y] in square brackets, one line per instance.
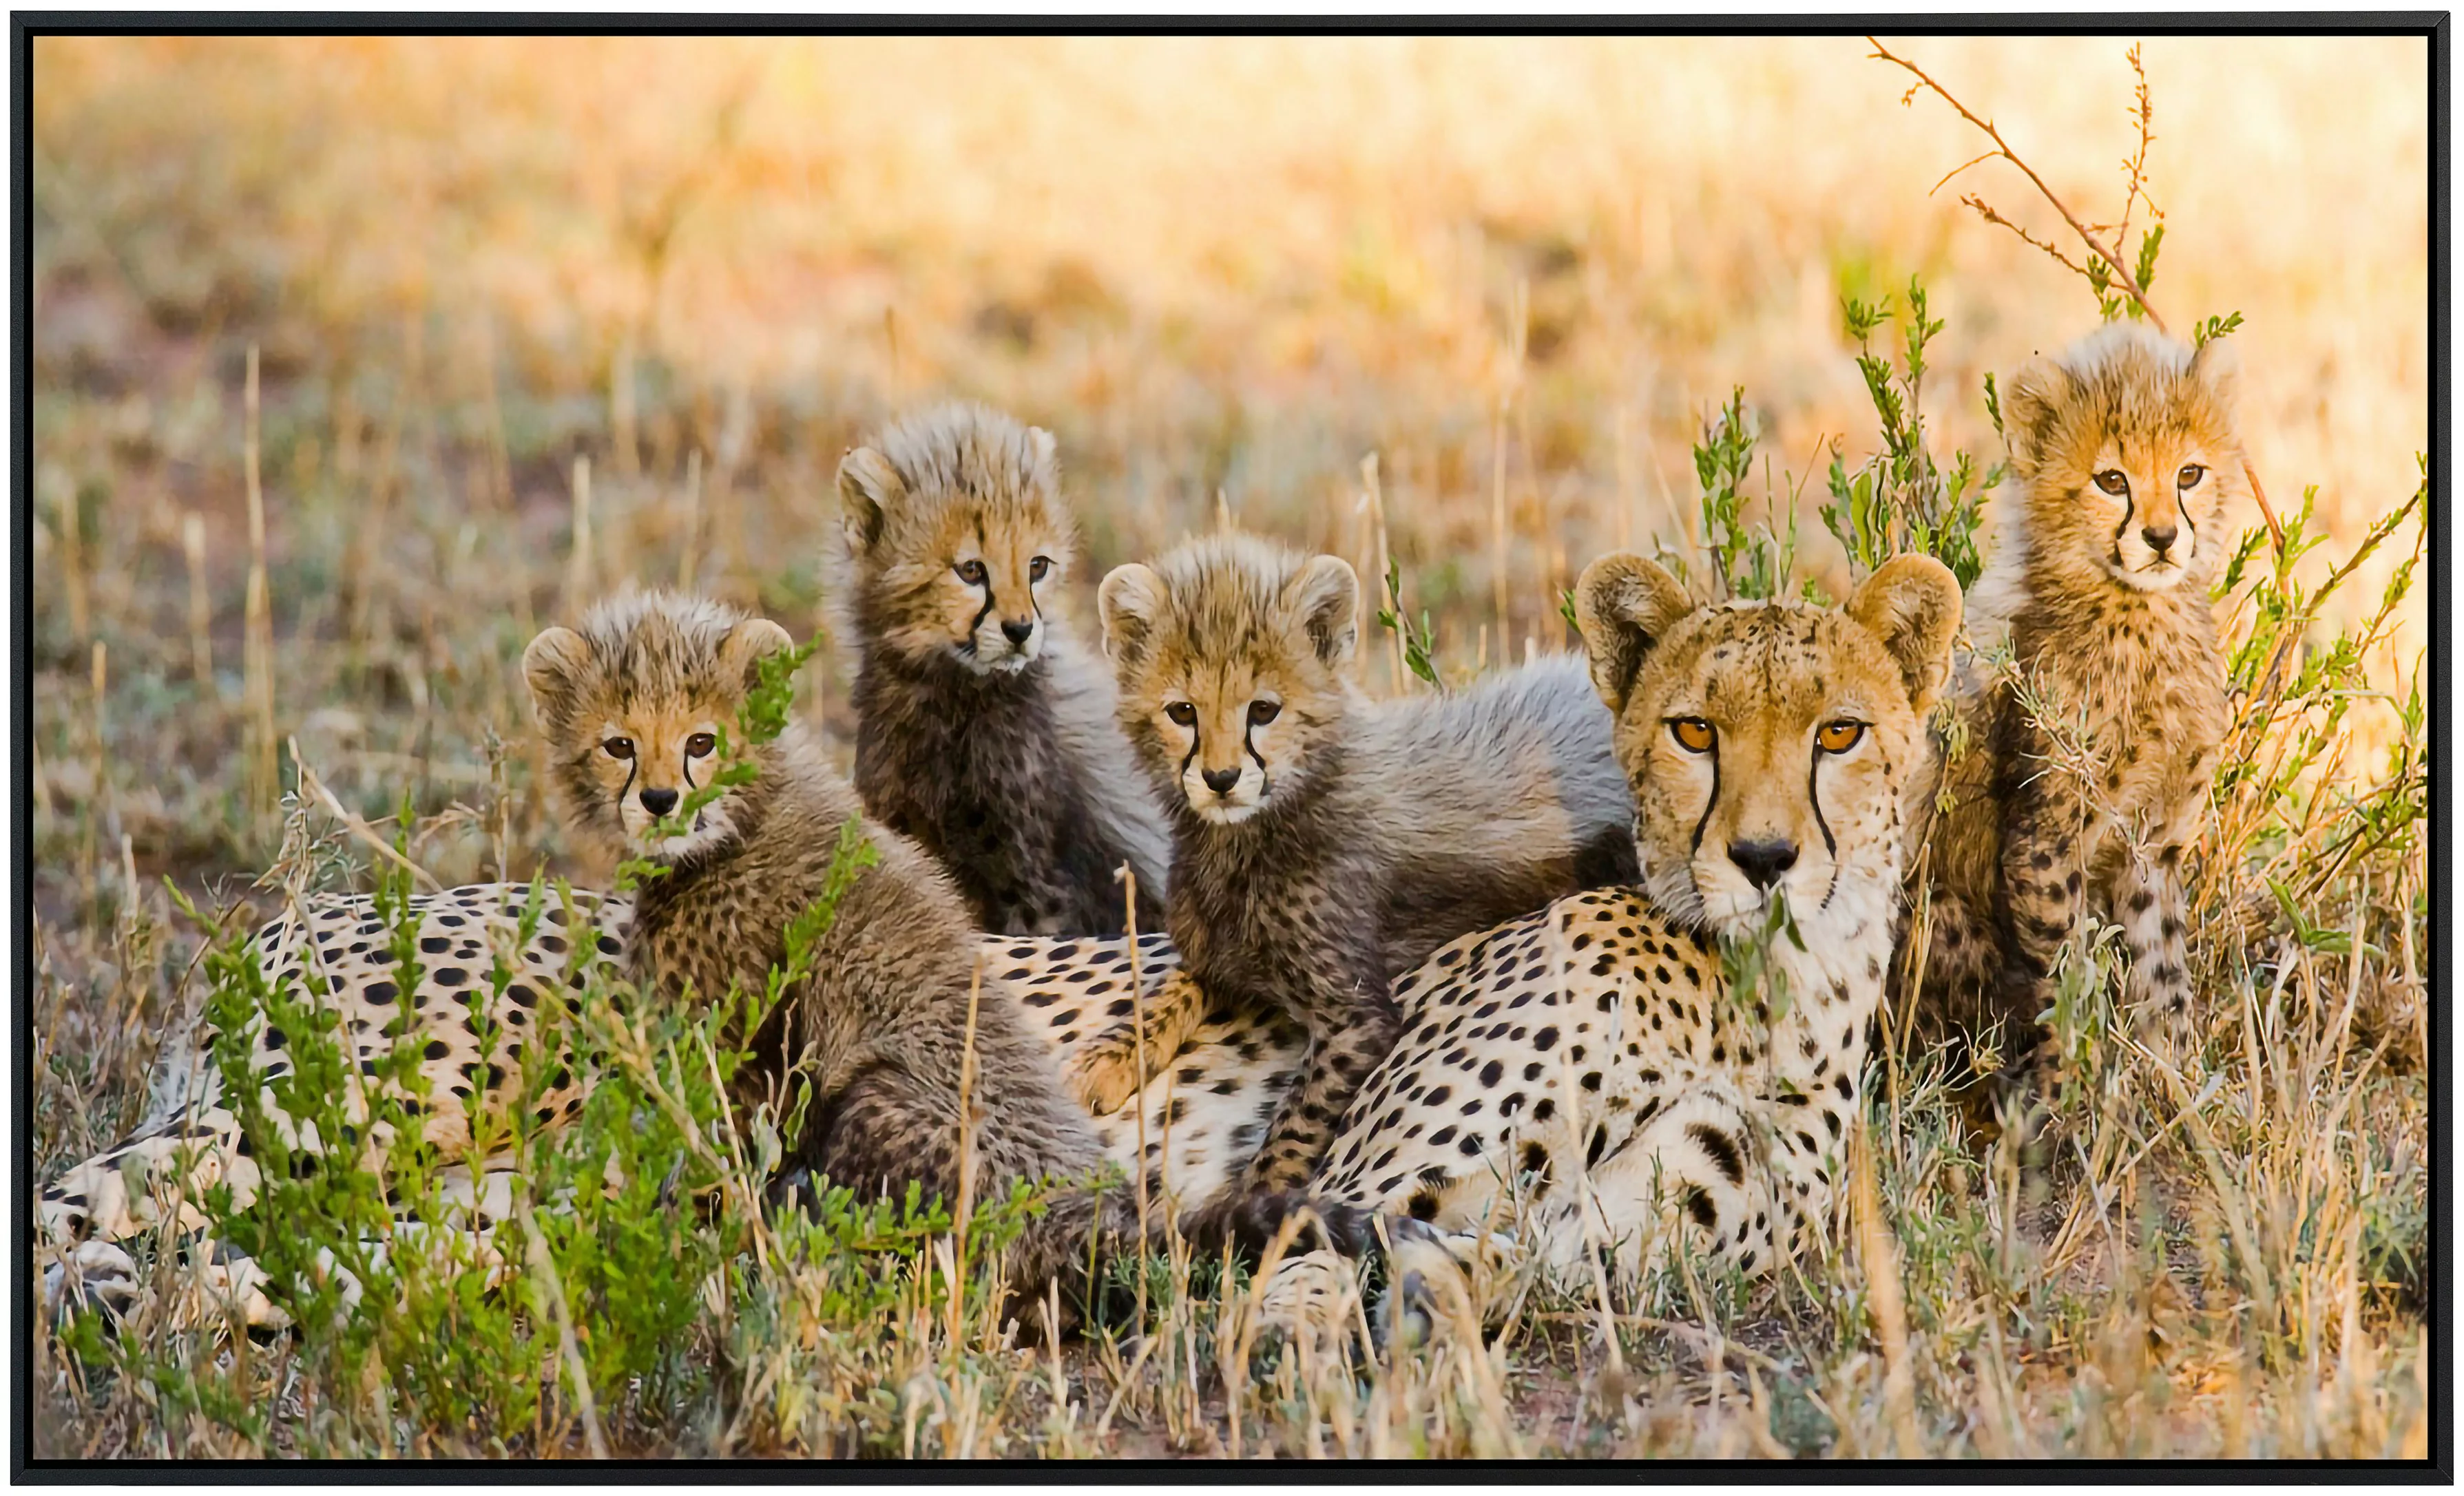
[487, 277]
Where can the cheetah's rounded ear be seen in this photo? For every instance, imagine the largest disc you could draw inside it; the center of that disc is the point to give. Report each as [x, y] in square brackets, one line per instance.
[867, 486]
[2217, 368]
[551, 665]
[2031, 405]
[1047, 459]
[1912, 604]
[1325, 595]
[1623, 605]
[1129, 601]
[748, 643]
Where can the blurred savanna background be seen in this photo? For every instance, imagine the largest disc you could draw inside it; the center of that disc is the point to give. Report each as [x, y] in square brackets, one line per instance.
[358, 359]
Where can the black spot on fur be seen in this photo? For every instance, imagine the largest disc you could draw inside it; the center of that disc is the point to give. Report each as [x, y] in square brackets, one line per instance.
[1721, 1149]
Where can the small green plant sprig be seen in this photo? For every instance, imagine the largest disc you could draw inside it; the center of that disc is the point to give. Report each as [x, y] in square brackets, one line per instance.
[2281, 793]
[1902, 499]
[1749, 558]
[1420, 640]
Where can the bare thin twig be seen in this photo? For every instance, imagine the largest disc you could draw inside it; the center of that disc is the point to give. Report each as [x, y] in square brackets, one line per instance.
[2002, 148]
[2101, 249]
[309, 783]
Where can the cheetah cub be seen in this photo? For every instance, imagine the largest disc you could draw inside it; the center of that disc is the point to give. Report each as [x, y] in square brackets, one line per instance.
[984, 729]
[2086, 773]
[1323, 843]
[633, 704]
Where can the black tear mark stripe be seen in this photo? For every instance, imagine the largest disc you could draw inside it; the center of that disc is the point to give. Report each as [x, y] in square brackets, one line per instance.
[632, 766]
[1813, 794]
[1251, 748]
[1830, 843]
[982, 544]
[1713, 803]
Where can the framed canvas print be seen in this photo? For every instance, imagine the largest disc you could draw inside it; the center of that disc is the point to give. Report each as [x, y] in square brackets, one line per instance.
[1160, 742]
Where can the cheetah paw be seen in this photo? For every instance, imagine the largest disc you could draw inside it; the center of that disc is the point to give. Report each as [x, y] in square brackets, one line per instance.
[91, 1275]
[1105, 1073]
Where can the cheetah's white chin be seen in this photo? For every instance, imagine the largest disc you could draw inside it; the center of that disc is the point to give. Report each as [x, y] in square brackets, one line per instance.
[2155, 577]
[709, 829]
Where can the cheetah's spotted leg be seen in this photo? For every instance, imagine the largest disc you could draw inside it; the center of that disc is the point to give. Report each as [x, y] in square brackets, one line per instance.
[1105, 1073]
[1962, 959]
[1691, 1172]
[156, 1184]
[213, 1286]
[886, 1127]
[1331, 1074]
[2044, 846]
[138, 1185]
[2150, 903]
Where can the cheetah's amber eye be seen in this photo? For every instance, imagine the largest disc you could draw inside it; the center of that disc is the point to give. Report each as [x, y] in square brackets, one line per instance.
[2190, 475]
[618, 747]
[1181, 713]
[1263, 711]
[1692, 734]
[1039, 568]
[1839, 736]
[971, 573]
[700, 745]
[2114, 481]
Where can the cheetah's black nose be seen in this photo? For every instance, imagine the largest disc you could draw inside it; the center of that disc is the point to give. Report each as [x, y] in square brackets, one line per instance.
[1763, 862]
[1220, 781]
[658, 802]
[1019, 630]
[2160, 538]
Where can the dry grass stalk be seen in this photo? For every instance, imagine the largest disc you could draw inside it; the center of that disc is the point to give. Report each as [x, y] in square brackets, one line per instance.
[1127, 878]
[104, 812]
[964, 1210]
[201, 617]
[264, 780]
[569, 1350]
[580, 573]
[132, 896]
[1376, 494]
[1881, 1262]
[620, 412]
[1625, 456]
[501, 459]
[690, 549]
[72, 569]
[1509, 382]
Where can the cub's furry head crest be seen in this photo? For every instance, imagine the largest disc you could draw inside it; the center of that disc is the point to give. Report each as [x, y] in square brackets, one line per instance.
[957, 540]
[2125, 452]
[1766, 742]
[1233, 656]
[634, 704]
